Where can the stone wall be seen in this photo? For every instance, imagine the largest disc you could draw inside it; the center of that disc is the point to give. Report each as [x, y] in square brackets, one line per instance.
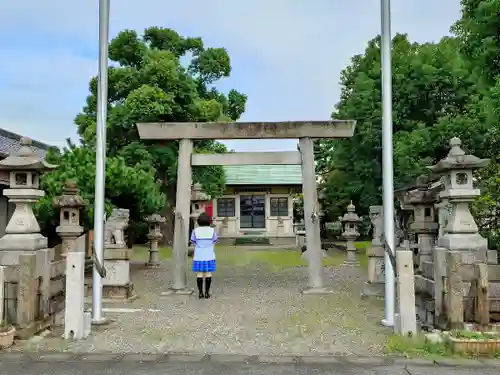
[33, 293]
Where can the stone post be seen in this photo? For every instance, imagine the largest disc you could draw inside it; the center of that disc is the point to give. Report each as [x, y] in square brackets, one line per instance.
[311, 217]
[22, 233]
[76, 320]
[154, 236]
[351, 221]
[181, 225]
[406, 317]
[374, 286]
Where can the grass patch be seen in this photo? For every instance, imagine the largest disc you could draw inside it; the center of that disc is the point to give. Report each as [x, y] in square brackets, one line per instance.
[263, 241]
[417, 346]
[361, 253]
[141, 253]
[277, 259]
[420, 346]
[481, 336]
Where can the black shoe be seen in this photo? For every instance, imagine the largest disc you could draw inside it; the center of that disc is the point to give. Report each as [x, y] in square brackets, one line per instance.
[208, 282]
[199, 283]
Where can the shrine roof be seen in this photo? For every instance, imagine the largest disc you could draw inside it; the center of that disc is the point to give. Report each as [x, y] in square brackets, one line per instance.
[263, 174]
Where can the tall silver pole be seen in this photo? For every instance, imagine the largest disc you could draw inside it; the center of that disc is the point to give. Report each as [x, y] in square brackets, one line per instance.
[387, 156]
[100, 176]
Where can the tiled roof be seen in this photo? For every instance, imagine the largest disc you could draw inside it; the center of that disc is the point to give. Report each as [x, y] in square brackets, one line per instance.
[9, 142]
[263, 175]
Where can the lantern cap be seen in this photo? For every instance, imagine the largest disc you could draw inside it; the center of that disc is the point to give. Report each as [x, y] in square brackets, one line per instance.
[458, 159]
[69, 198]
[25, 159]
[351, 216]
[155, 218]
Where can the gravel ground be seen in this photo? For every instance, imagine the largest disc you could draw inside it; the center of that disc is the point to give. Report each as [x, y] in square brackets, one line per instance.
[254, 310]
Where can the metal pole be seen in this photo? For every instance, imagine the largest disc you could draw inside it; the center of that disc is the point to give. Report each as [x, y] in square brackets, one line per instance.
[102, 100]
[387, 157]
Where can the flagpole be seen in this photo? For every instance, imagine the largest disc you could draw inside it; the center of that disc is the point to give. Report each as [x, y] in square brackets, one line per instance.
[387, 158]
[100, 176]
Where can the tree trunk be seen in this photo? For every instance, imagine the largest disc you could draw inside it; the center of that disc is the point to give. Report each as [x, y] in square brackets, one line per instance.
[168, 227]
[130, 236]
[168, 213]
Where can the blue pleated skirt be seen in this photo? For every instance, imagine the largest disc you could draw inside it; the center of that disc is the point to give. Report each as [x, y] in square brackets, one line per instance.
[204, 265]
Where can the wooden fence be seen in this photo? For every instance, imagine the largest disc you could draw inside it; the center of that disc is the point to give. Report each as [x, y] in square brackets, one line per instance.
[32, 298]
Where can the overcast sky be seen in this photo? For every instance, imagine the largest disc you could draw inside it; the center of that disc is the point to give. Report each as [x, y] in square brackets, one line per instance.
[286, 54]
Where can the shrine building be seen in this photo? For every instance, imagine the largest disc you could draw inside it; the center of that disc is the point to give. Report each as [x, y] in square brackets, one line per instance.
[258, 203]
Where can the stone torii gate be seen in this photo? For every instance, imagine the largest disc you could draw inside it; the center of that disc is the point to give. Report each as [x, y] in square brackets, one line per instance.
[305, 131]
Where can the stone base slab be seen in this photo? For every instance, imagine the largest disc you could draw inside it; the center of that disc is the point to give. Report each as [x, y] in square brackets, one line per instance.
[351, 263]
[375, 251]
[119, 292]
[112, 293]
[23, 242]
[152, 264]
[317, 291]
[177, 292]
[373, 290]
[118, 253]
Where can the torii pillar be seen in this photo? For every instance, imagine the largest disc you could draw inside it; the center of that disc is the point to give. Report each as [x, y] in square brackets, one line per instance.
[305, 131]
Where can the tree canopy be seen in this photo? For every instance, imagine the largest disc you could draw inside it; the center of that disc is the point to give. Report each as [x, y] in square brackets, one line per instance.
[440, 90]
[159, 76]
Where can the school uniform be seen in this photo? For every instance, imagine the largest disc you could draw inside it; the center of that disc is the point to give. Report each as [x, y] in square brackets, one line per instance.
[204, 239]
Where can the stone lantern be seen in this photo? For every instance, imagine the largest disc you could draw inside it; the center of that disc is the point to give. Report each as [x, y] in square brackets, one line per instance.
[69, 204]
[23, 231]
[461, 231]
[424, 226]
[351, 221]
[154, 236]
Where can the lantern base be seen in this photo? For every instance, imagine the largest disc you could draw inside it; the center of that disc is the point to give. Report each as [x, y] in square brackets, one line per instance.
[23, 241]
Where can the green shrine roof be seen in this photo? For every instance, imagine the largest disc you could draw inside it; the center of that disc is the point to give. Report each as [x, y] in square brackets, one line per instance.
[263, 175]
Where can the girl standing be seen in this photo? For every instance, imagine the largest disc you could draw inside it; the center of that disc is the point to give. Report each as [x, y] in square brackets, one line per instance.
[204, 238]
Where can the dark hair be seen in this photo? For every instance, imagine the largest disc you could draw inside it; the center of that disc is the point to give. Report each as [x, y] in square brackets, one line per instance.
[204, 220]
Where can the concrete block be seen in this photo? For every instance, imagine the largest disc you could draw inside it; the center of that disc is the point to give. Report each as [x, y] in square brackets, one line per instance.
[406, 292]
[74, 319]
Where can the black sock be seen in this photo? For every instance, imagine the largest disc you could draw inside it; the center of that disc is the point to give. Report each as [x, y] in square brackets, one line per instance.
[208, 282]
[199, 283]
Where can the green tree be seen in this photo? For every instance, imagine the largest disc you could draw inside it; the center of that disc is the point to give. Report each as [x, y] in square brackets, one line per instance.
[162, 76]
[431, 83]
[478, 33]
[133, 187]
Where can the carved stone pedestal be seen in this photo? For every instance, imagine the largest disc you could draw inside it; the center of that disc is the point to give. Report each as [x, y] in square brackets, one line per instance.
[117, 284]
[375, 284]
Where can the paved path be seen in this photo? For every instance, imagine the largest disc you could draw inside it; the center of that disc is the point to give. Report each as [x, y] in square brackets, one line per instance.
[133, 367]
[254, 310]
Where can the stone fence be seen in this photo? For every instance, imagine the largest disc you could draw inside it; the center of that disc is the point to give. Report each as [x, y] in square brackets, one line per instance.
[456, 276]
[32, 294]
[454, 294]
